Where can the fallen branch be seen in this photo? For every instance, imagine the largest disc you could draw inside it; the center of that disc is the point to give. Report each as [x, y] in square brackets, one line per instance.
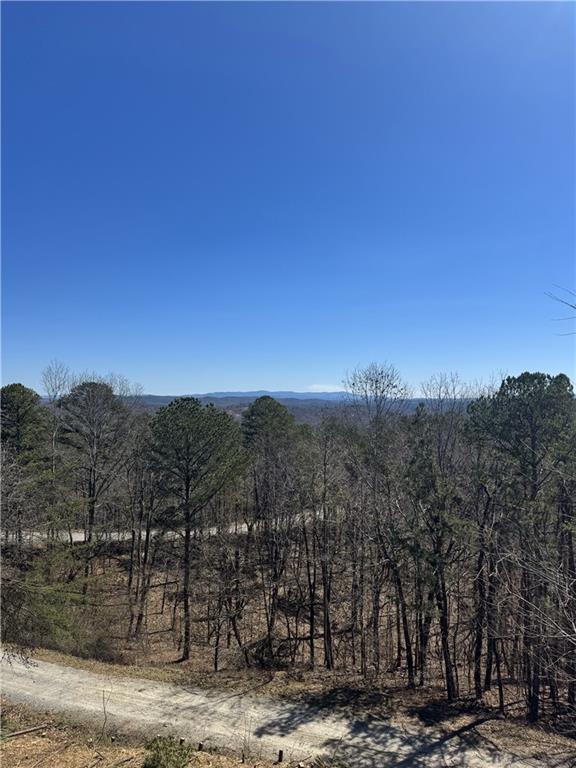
[25, 731]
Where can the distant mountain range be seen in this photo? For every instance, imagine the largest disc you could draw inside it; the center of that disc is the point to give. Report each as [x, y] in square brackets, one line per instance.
[253, 394]
[305, 407]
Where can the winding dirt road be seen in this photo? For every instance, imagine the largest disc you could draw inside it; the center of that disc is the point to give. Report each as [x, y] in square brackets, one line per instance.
[258, 725]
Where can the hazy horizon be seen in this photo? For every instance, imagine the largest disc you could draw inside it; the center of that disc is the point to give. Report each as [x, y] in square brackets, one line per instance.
[414, 389]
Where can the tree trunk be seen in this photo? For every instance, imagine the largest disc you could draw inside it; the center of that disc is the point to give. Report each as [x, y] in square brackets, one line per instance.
[442, 603]
[480, 590]
[186, 585]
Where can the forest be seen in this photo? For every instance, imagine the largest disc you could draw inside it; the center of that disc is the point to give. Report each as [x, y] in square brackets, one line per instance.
[429, 546]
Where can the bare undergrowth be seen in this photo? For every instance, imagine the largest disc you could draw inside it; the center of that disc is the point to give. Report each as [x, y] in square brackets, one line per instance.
[69, 743]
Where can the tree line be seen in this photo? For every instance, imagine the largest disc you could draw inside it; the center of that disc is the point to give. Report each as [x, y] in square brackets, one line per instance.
[435, 545]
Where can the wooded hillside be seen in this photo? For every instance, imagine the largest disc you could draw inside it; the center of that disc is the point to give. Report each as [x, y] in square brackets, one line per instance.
[434, 544]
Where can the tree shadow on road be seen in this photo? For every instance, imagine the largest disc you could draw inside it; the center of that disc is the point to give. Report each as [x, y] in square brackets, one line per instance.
[348, 700]
[461, 748]
[363, 737]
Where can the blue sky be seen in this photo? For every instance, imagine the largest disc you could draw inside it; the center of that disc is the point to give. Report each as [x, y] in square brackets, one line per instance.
[237, 196]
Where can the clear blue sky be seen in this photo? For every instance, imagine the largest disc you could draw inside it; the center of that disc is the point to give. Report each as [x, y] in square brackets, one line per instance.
[235, 196]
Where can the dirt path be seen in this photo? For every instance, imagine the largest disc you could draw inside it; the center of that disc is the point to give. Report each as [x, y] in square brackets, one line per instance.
[239, 721]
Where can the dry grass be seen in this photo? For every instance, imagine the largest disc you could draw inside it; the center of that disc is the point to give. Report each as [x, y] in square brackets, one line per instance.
[64, 743]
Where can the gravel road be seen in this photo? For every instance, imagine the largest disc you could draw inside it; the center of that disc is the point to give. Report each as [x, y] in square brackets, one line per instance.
[235, 721]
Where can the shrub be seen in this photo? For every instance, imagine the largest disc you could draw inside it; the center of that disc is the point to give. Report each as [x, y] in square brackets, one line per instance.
[167, 752]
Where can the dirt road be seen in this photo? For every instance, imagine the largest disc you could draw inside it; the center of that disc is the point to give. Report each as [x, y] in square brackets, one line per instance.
[259, 725]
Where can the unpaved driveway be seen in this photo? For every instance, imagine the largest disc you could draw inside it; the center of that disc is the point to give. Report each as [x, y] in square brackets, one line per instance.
[239, 721]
